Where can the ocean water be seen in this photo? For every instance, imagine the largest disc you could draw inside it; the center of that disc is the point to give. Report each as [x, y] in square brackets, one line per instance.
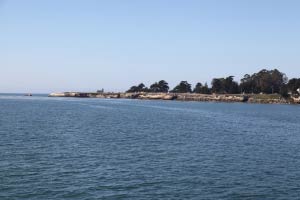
[68, 148]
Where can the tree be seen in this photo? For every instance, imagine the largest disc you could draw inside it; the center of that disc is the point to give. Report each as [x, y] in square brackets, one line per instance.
[183, 87]
[265, 81]
[247, 84]
[133, 89]
[205, 89]
[230, 86]
[201, 89]
[216, 85]
[284, 91]
[140, 88]
[225, 85]
[161, 86]
[293, 85]
[198, 88]
[154, 87]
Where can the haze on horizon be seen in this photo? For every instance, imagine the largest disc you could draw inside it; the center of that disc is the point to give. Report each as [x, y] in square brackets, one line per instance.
[53, 45]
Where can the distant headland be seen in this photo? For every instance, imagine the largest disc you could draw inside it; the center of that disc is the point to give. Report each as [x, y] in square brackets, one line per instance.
[266, 86]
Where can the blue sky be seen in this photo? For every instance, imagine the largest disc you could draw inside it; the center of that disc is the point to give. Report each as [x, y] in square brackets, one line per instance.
[69, 45]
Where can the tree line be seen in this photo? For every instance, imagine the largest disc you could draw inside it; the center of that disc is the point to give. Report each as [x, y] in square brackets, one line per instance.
[265, 81]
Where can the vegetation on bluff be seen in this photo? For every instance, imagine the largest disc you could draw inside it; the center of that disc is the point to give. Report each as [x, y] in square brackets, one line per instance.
[140, 88]
[264, 81]
[225, 85]
[183, 87]
[202, 89]
[161, 86]
[294, 85]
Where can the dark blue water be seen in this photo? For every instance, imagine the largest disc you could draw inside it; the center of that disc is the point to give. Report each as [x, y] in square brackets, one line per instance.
[59, 148]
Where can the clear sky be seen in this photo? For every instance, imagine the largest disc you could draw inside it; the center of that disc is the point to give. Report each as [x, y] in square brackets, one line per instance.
[64, 45]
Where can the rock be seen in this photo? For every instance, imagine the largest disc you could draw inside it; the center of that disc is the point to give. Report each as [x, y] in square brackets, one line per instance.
[296, 100]
[169, 97]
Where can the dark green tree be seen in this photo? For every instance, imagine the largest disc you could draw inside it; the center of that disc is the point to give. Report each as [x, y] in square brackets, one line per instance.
[201, 89]
[225, 85]
[206, 89]
[265, 81]
[216, 85]
[140, 88]
[247, 84]
[230, 86]
[183, 87]
[284, 92]
[161, 86]
[198, 88]
[293, 85]
[132, 89]
[154, 87]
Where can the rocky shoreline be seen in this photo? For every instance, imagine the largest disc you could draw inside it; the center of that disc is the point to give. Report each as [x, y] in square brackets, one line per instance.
[249, 98]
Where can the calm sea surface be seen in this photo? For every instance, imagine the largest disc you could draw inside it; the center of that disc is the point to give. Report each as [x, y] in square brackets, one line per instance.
[67, 148]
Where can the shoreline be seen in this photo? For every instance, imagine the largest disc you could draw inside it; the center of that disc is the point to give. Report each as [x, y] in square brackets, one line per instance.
[242, 98]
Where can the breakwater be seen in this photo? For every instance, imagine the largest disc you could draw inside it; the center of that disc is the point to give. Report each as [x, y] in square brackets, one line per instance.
[250, 98]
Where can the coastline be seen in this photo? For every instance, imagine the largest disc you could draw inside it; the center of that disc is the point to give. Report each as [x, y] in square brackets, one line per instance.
[245, 98]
